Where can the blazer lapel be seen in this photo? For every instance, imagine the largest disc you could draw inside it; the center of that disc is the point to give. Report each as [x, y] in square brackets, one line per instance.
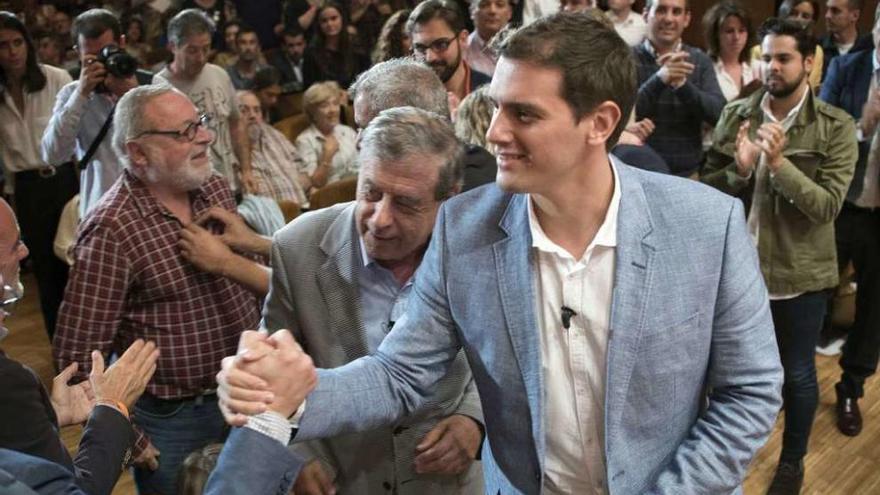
[337, 281]
[632, 286]
[514, 271]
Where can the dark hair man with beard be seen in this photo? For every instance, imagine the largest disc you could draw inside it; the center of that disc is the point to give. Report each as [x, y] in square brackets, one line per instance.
[791, 156]
[439, 38]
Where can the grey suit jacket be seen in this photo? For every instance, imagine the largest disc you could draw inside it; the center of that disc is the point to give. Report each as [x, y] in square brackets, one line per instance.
[314, 293]
[689, 313]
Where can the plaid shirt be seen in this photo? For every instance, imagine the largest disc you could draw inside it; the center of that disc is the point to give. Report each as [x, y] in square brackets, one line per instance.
[129, 281]
[276, 167]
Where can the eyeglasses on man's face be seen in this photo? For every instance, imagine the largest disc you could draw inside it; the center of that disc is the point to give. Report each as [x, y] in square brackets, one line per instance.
[188, 133]
[439, 45]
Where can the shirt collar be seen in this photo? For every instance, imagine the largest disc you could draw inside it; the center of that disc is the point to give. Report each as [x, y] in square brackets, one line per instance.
[765, 107]
[147, 204]
[650, 48]
[606, 235]
[874, 62]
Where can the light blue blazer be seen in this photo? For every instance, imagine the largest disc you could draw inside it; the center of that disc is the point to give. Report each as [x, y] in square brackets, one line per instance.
[693, 372]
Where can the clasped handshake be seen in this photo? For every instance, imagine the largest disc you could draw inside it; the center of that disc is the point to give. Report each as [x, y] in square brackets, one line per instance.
[268, 373]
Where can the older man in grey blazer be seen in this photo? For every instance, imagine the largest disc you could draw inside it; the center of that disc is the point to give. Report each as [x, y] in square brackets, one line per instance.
[342, 277]
[616, 322]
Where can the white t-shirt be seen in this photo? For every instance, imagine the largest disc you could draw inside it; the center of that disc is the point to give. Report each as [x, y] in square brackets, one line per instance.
[213, 94]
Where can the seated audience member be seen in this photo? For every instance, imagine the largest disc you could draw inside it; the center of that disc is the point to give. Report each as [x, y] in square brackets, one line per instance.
[332, 56]
[438, 39]
[851, 85]
[678, 89]
[197, 468]
[406, 82]
[474, 116]
[133, 26]
[82, 122]
[790, 157]
[246, 65]
[630, 25]
[365, 19]
[276, 161]
[842, 33]
[394, 41]
[288, 59]
[267, 89]
[211, 89]
[27, 92]
[729, 36]
[326, 147]
[489, 17]
[31, 416]
[48, 48]
[226, 56]
[130, 244]
[409, 157]
[805, 13]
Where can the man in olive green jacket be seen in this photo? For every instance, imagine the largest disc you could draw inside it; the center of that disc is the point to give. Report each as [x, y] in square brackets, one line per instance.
[790, 157]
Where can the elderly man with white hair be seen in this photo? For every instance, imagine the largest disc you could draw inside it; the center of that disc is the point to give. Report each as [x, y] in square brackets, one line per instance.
[130, 280]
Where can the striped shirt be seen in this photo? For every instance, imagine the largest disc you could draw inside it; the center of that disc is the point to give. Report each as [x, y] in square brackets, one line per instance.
[276, 166]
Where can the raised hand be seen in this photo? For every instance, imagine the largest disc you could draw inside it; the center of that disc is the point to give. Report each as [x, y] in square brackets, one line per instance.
[747, 152]
[125, 380]
[72, 403]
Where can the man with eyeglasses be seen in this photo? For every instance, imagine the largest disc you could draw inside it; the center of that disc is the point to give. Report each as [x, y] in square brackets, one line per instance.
[31, 416]
[439, 39]
[131, 281]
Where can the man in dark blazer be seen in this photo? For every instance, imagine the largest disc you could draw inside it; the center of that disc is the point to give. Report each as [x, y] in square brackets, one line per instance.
[850, 84]
[30, 417]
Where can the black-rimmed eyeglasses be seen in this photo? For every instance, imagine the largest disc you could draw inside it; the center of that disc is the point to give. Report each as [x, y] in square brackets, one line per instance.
[188, 133]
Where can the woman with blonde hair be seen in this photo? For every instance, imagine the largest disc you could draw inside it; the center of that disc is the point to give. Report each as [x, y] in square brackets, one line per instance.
[327, 147]
[473, 117]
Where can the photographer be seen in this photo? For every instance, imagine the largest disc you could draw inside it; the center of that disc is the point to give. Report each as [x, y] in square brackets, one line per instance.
[82, 119]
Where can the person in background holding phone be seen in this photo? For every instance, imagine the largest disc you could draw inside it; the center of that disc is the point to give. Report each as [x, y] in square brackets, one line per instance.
[82, 120]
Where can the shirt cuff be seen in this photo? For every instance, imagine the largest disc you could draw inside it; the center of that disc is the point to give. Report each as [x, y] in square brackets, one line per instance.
[297, 416]
[272, 425]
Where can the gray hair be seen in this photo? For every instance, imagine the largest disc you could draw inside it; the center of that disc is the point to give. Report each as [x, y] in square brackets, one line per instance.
[129, 121]
[401, 82]
[402, 132]
[187, 23]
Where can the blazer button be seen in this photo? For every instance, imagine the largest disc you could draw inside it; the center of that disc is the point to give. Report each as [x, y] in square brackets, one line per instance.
[386, 485]
[537, 475]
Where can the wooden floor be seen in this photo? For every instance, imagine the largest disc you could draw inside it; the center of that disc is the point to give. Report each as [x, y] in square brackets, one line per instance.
[836, 464]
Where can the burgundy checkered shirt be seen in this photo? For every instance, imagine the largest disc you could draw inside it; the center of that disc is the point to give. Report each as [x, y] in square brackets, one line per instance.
[129, 281]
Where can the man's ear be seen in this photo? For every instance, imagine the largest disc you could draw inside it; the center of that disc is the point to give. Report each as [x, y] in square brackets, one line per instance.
[463, 36]
[136, 156]
[122, 41]
[605, 118]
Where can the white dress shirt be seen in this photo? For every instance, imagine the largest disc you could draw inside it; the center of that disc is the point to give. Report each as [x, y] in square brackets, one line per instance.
[479, 56]
[728, 85]
[574, 359]
[633, 29]
[21, 132]
[533, 9]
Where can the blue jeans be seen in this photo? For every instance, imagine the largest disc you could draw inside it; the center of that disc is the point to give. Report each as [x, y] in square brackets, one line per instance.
[176, 428]
[798, 322]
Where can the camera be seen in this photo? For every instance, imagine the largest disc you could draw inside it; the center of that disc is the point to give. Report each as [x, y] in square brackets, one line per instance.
[117, 61]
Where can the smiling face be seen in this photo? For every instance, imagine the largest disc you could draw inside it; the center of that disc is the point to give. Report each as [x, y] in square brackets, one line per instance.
[666, 20]
[435, 44]
[172, 163]
[396, 205]
[538, 143]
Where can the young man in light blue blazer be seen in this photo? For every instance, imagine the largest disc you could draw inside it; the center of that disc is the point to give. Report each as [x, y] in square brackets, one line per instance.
[616, 322]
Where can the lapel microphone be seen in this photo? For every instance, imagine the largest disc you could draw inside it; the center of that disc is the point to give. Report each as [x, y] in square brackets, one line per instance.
[567, 313]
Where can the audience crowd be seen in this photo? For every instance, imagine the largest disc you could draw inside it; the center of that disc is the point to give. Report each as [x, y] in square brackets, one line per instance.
[320, 170]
